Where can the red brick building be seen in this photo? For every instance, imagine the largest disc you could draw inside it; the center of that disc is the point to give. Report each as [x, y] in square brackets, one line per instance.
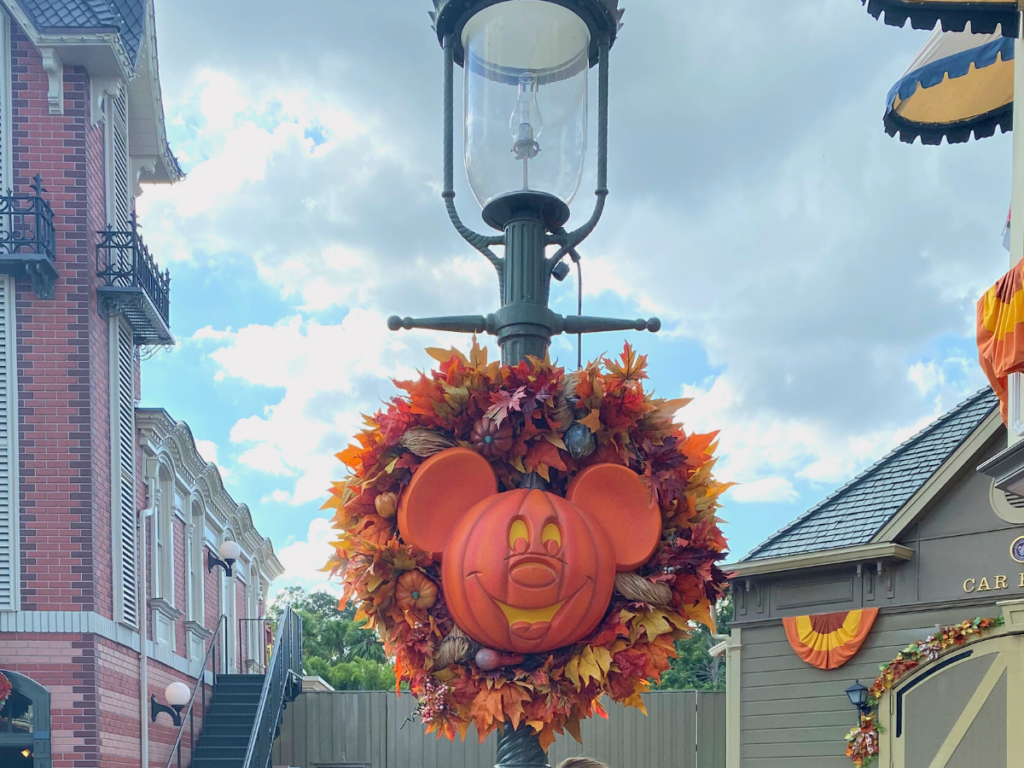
[107, 512]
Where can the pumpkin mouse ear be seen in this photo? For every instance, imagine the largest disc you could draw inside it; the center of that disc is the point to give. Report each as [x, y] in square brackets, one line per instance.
[615, 497]
[444, 486]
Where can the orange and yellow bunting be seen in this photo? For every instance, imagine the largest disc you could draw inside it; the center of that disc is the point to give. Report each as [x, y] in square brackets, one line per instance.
[829, 640]
[1000, 343]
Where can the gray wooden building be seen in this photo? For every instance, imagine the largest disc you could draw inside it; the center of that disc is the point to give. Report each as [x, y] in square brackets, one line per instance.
[374, 729]
[926, 538]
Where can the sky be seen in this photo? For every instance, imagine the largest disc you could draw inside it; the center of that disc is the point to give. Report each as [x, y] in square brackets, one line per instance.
[816, 278]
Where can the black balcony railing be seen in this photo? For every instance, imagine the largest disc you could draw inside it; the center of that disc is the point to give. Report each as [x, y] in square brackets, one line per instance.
[27, 238]
[134, 284]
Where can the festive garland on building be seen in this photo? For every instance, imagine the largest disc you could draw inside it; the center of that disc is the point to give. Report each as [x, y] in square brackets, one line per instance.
[5, 689]
[862, 742]
[528, 420]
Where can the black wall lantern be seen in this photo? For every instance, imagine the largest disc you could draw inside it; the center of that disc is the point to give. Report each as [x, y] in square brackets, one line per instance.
[229, 552]
[858, 696]
[526, 65]
[177, 695]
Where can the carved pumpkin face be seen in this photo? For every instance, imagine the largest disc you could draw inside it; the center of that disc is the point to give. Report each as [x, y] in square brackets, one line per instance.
[527, 571]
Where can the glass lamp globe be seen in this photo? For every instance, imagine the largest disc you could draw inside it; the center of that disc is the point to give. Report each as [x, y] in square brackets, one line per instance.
[526, 64]
[177, 694]
[229, 551]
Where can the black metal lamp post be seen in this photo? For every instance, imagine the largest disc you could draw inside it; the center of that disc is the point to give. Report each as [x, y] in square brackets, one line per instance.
[858, 695]
[526, 65]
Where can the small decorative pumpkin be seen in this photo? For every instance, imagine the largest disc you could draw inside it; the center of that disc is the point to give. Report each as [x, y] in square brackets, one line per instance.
[415, 591]
[580, 441]
[490, 440]
[387, 505]
[527, 571]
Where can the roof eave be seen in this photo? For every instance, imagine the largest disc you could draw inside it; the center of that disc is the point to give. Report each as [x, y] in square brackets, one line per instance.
[882, 552]
[100, 50]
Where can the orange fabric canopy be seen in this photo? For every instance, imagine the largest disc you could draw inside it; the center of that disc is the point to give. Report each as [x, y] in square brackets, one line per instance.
[1000, 343]
[829, 640]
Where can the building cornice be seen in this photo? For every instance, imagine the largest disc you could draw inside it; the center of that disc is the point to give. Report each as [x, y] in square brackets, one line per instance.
[162, 435]
[860, 554]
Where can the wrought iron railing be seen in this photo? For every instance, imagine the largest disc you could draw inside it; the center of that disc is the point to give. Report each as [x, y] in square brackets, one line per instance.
[26, 223]
[124, 261]
[209, 661]
[283, 683]
[255, 643]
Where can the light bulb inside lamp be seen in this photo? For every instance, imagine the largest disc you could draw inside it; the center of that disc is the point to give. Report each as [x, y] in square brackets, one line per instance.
[229, 551]
[177, 694]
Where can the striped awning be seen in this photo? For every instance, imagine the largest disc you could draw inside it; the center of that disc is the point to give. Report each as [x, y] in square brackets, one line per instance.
[984, 16]
[960, 84]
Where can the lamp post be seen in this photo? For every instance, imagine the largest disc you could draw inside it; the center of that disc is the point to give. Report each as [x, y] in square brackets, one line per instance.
[526, 66]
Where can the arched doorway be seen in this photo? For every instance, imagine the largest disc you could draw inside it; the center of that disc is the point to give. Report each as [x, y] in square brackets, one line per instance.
[963, 710]
[25, 724]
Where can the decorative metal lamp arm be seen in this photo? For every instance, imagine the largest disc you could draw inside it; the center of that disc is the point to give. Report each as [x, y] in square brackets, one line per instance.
[478, 241]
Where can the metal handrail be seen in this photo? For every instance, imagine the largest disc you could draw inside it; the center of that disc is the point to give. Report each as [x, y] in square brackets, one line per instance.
[222, 622]
[284, 670]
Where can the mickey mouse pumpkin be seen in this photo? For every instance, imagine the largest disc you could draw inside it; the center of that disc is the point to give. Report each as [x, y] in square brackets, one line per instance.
[527, 571]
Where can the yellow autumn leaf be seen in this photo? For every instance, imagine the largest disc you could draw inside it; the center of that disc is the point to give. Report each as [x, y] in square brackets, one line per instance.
[572, 671]
[477, 355]
[444, 355]
[635, 701]
[592, 421]
[555, 440]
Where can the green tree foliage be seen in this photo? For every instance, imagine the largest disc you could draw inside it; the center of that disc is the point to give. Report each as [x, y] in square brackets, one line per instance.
[334, 646]
[695, 668]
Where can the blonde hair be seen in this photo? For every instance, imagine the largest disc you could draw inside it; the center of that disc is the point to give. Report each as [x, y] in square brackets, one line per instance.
[581, 762]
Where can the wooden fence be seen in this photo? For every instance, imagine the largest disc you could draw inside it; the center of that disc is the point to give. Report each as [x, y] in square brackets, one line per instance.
[684, 729]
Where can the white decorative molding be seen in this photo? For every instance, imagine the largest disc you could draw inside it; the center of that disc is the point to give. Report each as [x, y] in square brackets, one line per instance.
[164, 616]
[1014, 416]
[141, 165]
[100, 88]
[55, 73]
[162, 436]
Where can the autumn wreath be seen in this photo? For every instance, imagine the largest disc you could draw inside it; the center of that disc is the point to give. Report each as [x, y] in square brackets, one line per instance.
[530, 421]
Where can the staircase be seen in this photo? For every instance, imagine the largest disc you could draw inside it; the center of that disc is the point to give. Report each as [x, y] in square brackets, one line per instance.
[229, 722]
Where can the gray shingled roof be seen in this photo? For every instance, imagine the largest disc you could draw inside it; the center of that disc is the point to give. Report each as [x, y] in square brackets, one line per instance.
[127, 16]
[857, 511]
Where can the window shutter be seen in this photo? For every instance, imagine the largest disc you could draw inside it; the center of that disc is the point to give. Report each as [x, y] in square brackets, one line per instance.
[9, 529]
[119, 166]
[123, 448]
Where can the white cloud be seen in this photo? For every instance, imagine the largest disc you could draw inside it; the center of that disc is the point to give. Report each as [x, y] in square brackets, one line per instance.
[303, 560]
[771, 489]
[207, 449]
[330, 375]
